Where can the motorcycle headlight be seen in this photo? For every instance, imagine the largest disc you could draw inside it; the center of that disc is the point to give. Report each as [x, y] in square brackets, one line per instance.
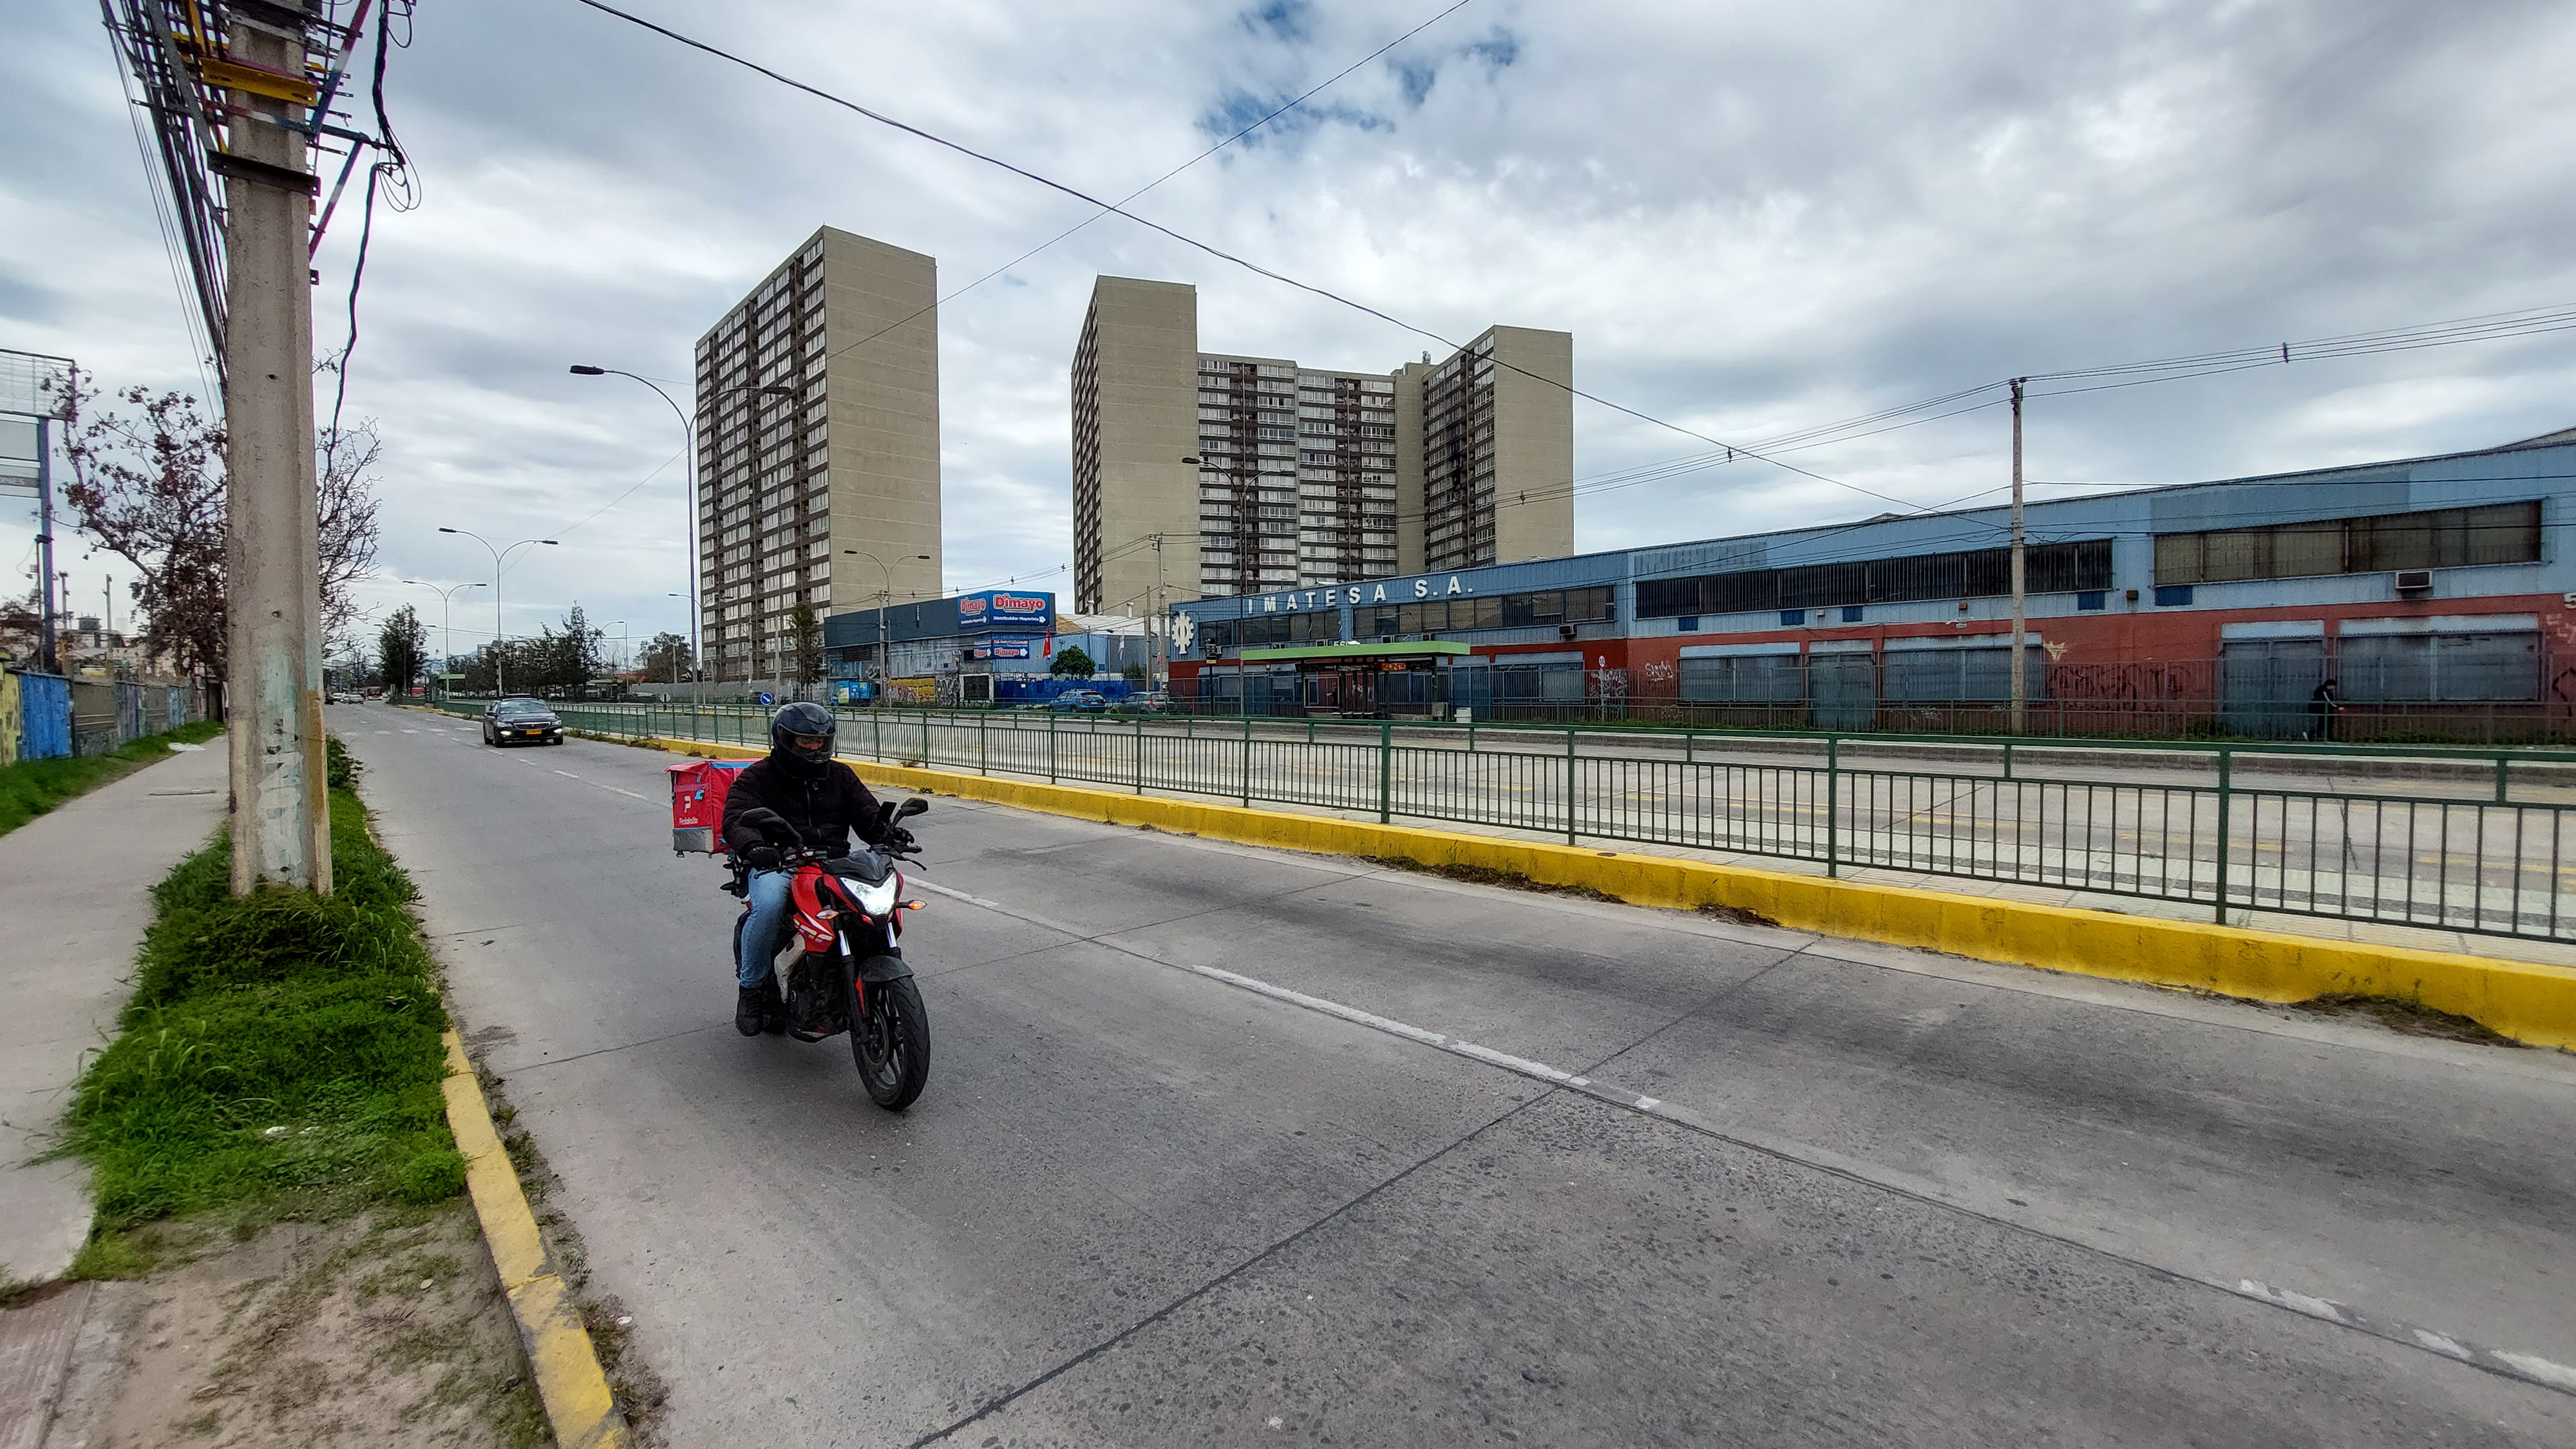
[877, 900]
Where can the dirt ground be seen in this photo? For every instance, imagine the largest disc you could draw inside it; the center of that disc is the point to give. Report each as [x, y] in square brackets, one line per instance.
[388, 1328]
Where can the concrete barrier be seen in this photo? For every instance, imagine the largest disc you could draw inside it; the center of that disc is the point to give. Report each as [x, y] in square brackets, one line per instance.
[2530, 1003]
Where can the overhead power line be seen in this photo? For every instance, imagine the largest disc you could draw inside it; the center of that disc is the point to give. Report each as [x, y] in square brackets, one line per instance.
[1195, 244]
[2485, 328]
[1309, 94]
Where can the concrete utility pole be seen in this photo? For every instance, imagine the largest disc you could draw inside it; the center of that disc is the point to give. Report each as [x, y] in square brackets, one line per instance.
[272, 549]
[2020, 598]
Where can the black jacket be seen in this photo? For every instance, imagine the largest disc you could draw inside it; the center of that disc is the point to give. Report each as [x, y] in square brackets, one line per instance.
[826, 805]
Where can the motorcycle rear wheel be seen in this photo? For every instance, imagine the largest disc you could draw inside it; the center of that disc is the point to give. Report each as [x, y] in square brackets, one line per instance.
[890, 1042]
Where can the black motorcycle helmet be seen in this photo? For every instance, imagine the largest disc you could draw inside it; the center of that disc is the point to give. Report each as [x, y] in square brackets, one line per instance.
[807, 719]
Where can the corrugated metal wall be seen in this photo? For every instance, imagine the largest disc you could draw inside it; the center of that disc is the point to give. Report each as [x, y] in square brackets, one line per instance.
[45, 716]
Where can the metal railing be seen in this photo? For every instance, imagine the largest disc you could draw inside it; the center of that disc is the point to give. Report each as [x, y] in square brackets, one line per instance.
[2456, 839]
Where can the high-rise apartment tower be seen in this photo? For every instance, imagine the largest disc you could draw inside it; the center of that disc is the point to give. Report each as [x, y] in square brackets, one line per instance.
[1497, 450]
[1200, 473]
[830, 496]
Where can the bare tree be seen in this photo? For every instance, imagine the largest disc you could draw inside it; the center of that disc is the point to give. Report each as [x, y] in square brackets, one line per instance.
[148, 485]
[347, 499]
[149, 488]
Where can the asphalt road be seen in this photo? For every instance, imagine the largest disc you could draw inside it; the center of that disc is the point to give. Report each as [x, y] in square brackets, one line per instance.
[1810, 1192]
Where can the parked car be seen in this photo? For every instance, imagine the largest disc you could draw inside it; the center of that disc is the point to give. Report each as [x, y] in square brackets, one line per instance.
[520, 720]
[1157, 701]
[1089, 701]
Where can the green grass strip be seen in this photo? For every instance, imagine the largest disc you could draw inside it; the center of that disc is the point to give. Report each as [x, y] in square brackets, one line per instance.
[29, 788]
[281, 1054]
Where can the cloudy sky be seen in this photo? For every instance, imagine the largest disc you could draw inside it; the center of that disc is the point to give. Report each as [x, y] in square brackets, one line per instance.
[1754, 219]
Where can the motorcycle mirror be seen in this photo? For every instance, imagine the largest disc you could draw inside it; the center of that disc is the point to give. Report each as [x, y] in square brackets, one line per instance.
[911, 807]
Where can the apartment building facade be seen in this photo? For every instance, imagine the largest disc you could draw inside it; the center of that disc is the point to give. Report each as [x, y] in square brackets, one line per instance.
[1498, 450]
[1205, 474]
[825, 496]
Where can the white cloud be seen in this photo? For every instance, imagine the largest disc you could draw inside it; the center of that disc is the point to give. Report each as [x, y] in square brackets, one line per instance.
[1752, 218]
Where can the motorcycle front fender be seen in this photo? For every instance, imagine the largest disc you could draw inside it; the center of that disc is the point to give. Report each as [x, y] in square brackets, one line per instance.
[878, 970]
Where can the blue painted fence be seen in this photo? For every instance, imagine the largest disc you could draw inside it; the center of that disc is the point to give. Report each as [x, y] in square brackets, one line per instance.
[44, 716]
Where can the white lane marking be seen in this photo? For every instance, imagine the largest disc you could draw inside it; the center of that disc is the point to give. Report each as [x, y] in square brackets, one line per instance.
[2441, 1343]
[408, 732]
[611, 789]
[2325, 1308]
[2539, 1371]
[2529, 1368]
[384, 732]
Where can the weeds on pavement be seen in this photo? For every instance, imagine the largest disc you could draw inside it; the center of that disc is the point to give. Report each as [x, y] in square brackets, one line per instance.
[29, 788]
[1488, 875]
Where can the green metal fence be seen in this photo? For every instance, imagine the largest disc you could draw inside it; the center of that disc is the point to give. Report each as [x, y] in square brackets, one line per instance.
[2456, 839]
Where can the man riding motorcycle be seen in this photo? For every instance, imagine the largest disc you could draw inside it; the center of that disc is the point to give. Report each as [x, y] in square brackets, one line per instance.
[826, 802]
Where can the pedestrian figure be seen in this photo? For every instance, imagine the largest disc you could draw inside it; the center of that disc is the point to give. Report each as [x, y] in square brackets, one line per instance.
[2321, 711]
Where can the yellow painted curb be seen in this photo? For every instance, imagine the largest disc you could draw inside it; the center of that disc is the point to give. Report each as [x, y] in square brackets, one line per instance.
[2530, 1003]
[583, 1413]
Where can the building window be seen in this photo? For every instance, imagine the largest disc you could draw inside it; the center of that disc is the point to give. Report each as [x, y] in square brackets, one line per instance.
[1982, 573]
[1743, 679]
[1851, 613]
[2451, 668]
[1959, 673]
[2173, 596]
[1793, 616]
[2093, 599]
[2440, 538]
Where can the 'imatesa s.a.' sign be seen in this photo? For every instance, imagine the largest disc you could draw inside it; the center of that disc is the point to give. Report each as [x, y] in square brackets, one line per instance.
[999, 608]
[1384, 591]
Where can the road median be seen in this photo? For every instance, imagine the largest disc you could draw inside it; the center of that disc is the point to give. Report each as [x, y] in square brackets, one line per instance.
[2532, 1004]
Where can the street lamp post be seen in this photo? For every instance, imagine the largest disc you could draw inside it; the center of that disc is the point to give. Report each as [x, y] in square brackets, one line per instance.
[499, 556]
[689, 442]
[446, 635]
[885, 601]
[675, 654]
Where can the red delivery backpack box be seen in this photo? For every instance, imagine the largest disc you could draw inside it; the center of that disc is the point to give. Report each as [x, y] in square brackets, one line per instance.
[698, 791]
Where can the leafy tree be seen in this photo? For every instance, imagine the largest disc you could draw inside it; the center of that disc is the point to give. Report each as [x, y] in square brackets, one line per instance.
[667, 657]
[805, 643]
[1133, 674]
[401, 649]
[1070, 661]
[568, 660]
[563, 661]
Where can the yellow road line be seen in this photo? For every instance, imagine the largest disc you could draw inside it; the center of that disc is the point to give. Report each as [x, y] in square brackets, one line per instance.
[570, 1381]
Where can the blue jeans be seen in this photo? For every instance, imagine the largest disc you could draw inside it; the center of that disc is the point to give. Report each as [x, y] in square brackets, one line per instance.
[770, 902]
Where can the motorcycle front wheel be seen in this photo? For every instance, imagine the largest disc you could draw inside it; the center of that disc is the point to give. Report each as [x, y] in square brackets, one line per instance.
[890, 1041]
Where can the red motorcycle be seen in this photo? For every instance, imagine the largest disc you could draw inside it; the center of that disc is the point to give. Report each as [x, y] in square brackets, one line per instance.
[850, 975]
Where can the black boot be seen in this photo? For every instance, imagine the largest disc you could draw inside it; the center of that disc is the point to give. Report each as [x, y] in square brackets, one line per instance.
[753, 1006]
[775, 1021]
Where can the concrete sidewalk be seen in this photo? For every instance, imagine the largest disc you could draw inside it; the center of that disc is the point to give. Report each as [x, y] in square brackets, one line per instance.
[75, 892]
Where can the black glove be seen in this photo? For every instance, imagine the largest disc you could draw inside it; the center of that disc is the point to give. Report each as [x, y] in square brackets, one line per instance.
[761, 857]
[897, 838]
